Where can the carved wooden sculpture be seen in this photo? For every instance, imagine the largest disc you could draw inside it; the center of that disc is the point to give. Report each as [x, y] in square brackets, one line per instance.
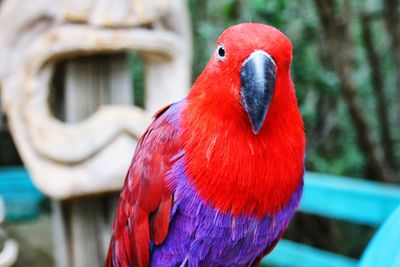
[82, 157]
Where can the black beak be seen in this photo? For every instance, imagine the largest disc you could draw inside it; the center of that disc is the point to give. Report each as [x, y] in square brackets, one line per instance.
[258, 83]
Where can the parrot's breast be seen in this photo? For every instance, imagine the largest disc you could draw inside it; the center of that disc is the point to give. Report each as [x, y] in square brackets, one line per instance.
[203, 236]
[235, 170]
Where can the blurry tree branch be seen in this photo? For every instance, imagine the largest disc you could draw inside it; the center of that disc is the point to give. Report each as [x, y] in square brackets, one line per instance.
[335, 26]
[392, 20]
[378, 88]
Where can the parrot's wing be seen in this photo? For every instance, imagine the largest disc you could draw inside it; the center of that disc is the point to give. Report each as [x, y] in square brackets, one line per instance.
[144, 208]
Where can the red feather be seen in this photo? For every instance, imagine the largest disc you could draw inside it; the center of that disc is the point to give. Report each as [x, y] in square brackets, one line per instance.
[264, 169]
[144, 208]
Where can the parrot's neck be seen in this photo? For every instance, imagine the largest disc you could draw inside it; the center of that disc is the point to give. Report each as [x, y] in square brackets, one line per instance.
[233, 169]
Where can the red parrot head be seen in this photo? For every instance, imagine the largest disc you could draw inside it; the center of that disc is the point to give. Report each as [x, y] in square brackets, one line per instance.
[243, 110]
[252, 60]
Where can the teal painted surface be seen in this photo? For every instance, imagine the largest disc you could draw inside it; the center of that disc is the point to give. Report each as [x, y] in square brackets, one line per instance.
[21, 198]
[354, 200]
[292, 254]
[384, 248]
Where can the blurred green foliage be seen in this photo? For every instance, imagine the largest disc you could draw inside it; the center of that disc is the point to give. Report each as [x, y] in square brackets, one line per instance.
[137, 72]
[332, 146]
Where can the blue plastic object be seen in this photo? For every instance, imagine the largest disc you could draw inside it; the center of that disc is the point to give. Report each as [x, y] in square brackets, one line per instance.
[384, 249]
[22, 199]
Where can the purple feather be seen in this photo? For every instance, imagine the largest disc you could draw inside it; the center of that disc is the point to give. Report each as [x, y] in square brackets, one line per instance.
[205, 237]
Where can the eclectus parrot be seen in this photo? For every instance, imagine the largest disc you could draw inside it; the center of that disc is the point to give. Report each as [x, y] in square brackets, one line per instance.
[217, 176]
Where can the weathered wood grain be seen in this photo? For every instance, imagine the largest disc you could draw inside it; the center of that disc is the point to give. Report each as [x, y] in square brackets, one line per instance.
[63, 157]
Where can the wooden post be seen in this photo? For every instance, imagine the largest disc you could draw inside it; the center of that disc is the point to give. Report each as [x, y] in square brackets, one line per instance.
[82, 227]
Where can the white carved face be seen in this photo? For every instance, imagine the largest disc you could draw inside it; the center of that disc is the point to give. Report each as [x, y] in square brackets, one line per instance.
[67, 160]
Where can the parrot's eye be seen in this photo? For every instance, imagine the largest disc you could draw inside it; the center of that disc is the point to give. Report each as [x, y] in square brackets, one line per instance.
[221, 52]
